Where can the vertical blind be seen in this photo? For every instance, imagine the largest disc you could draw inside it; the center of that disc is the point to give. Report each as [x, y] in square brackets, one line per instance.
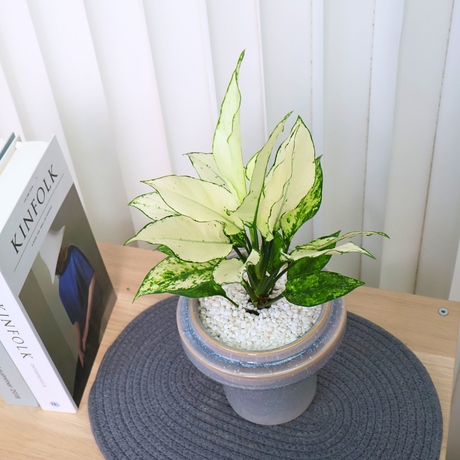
[129, 87]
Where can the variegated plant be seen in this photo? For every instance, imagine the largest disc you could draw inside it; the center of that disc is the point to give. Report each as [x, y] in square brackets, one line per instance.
[251, 212]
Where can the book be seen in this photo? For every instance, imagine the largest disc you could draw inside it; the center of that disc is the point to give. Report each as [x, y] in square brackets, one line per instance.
[55, 294]
[13, 388]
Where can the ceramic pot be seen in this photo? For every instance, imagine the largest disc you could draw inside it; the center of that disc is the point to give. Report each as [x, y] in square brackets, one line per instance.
[265, 387]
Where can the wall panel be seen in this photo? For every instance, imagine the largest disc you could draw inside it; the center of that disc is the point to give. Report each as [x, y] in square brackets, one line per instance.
[348, 35]
[130, 89]
[234, 26]
[65, 42]
[183, 66]
[420, 74]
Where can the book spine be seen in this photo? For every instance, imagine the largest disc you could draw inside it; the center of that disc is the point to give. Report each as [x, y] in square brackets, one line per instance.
[13, 388]
[29, 354]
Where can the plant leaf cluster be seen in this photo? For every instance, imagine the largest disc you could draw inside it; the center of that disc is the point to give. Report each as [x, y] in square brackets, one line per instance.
[235, 223]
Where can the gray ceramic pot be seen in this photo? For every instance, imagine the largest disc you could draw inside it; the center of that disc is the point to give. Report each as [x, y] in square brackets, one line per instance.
[264, 387]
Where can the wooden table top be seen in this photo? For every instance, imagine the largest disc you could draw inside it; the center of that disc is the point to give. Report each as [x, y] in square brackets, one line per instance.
[32, 433]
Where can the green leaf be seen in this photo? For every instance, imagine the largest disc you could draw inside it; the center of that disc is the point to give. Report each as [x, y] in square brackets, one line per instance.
[165, 250]
[238, 239]
[247, 212]
[190, 240]
[291, 221]
[232, 270]
[319, 287]
[153, 206]
[309, 265]
[176, 276]
[302, 251]
[206, 167]
[226, 145]
[198, 199]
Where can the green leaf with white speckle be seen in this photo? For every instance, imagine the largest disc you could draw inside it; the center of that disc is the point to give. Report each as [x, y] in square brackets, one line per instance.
[176, 276]
[319, 287]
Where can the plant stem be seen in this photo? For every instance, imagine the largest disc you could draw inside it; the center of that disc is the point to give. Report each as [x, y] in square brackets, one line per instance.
[267, 284]
[242, 256]
[283, 271]
[267, 254]
[252, 277]
[248, 243]
[250, 291]
[270, 301]
[254, 238]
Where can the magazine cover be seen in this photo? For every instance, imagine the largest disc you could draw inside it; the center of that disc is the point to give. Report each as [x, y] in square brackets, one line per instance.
[60, 292]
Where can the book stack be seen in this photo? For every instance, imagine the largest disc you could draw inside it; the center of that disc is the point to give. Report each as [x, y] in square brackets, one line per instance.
[55, 294]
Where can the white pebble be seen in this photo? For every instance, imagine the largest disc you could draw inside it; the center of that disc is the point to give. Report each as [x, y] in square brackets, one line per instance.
[274, 327]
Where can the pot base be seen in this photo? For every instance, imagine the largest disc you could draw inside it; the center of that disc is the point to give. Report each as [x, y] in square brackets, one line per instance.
[274, 406]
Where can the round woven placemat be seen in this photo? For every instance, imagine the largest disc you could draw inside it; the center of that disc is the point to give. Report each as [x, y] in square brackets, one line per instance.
[375, 400]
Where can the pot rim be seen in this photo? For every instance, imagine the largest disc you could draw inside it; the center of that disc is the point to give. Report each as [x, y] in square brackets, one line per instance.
[280, 352]
[279, 371]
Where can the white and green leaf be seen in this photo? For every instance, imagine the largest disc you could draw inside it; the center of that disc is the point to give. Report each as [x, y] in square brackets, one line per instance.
[301, 252]
[229, 271]
[325, 241]
[232, 270]
[176, 276]
[273, 191]
[302, 176]
[202, 201]
[309, 205]
[226, 145]
[309, 265]
[189, 240]
[247, 212]
[251, 164]
[206, 167]
[249, 170]
[153, 206]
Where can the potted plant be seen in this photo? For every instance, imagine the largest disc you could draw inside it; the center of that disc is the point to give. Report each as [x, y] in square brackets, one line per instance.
[227, 237]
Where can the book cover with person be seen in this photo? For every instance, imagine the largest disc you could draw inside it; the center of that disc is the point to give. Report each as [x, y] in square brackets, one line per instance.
[55, 293]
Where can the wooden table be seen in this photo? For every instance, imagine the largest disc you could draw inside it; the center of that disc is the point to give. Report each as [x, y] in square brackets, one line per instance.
[31, 433]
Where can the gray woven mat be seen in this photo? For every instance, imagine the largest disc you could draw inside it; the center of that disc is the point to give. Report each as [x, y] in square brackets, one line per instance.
[375, 400]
